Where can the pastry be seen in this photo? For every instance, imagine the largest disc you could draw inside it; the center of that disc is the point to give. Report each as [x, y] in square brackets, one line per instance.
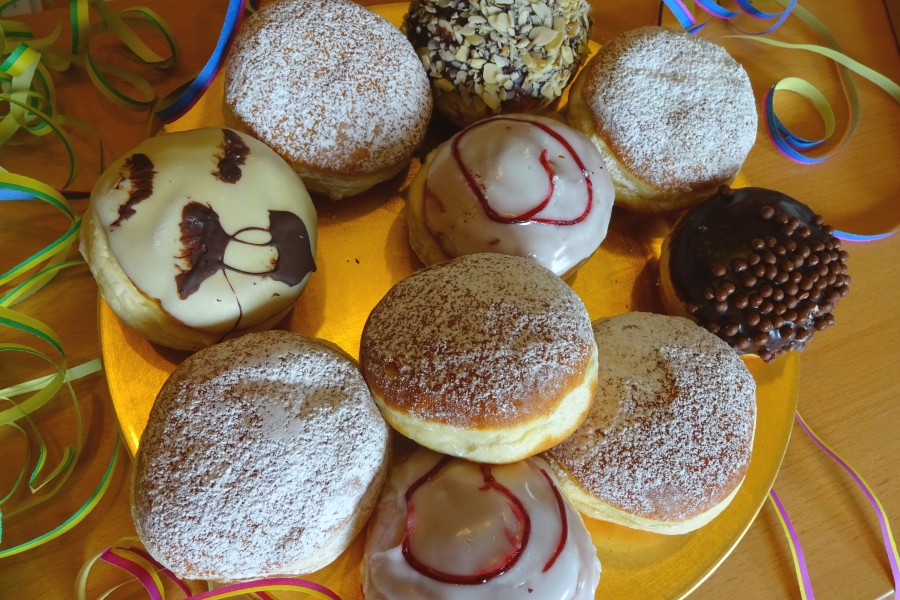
[667, 442]
[487, 357]
[333, 87]
[757, 268]
[448, 529]
[672, 113]
[498, 56]
[263, 455]
[515, 184]
[198, 235]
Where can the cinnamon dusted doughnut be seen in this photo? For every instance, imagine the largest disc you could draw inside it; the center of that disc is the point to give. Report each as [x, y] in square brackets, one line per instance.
[672, 113]
[498, 56]
[515, 184]
[757, 268]
[199, 235]
[487, 357]
[263, 455]
[667, 441]
[449, 529]
[333, 87]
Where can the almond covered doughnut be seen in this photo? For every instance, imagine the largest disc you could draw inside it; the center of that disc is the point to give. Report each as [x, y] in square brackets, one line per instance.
[498, 56]
[668, 439]
[263, 455]
[450, 529]
[515, 184]
[756, 267]
[333, 87]
[672, 113]
[198, 235]
[487, 357]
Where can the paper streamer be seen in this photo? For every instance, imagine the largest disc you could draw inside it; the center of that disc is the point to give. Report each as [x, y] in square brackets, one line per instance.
[793, 539]
[789, 144]
[186, 96]
[146, 570]
[806, 591]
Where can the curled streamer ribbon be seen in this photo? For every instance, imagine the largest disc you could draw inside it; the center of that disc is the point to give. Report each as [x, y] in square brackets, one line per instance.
[789, 144]
[37, 270]
[793, 538]
[146, 570]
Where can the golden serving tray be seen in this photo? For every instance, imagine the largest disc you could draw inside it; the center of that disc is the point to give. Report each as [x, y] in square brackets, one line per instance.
[363, 251]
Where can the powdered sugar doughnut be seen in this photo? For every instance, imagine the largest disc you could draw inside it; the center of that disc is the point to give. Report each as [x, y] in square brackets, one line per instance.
[487, 357]
[262, 455]
[333, 87]
[672, 113]
[198, 235]
[667, 441]
[516, 184]
[449, 529]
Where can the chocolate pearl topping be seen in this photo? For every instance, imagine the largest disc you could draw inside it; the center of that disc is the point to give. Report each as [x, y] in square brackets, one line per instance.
[774, 268]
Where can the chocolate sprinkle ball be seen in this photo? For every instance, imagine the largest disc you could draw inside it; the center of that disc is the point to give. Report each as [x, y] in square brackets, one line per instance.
[757, 268]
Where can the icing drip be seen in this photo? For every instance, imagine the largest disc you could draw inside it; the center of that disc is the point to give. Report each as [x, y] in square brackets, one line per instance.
[234, 155]
[140, 173]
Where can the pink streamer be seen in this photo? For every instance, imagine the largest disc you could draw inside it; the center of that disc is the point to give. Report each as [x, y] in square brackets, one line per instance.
[136, 570]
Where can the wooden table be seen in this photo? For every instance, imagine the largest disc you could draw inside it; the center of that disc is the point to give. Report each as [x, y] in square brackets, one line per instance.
[849, 387]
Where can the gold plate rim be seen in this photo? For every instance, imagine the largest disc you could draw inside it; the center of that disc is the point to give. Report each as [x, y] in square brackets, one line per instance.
[635, 564]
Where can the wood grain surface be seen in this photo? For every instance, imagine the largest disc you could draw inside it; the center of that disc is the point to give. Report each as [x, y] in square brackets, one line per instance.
[849, 387]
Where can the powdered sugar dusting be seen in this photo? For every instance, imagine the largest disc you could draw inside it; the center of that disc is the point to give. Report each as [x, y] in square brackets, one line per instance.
[329, 85]
[676, 109]
[256, 455]
[671, 428]
[482, 339]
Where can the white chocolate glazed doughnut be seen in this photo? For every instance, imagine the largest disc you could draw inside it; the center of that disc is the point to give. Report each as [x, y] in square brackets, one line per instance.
[515, 184]
[333, 87]
[673, 115]
[668, 438]
[487, 357]
[263, 455]
[196, 235]
[438, 537]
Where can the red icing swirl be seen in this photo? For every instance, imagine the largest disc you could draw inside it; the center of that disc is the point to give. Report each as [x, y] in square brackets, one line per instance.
[518, 539]
[530, 214]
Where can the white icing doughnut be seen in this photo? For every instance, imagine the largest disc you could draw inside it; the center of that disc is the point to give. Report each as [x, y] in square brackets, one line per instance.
[464, 523]
[517, 184]
[262, 455]
[209, 227]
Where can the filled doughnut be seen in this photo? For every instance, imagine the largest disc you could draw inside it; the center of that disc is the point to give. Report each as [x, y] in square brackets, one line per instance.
[198, 235]
[333, 87]
[757, 268]
[450, 529]
[487, 357]
[498, 56]
[672, 113]
[263, 455]
[667, 442]
[515, 184]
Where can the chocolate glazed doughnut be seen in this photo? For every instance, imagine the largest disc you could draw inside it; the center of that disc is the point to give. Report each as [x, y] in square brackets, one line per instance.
[757, 268]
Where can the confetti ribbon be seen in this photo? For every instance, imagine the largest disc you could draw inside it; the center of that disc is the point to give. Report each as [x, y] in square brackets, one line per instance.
[146, 570]
[37, 271]
[887, 535]
[176, 104]
[789, 144]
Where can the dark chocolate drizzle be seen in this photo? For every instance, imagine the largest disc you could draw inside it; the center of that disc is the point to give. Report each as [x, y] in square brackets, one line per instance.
[759, 269]
[205, 242]
[138, 169]
[234, 154]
